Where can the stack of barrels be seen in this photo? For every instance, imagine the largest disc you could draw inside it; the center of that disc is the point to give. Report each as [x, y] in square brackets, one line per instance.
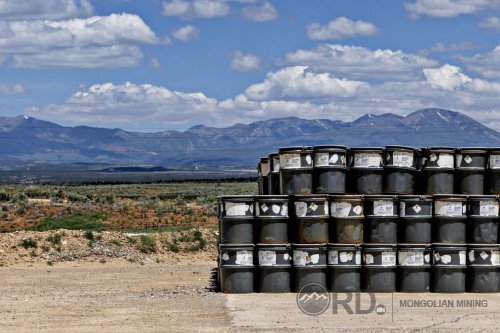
[375, 219]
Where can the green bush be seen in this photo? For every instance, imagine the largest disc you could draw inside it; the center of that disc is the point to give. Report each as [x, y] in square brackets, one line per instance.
[74, 221]
[148, 244]
[55, 239]
[28, 243]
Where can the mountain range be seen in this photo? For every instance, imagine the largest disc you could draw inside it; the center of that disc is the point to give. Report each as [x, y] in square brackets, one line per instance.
[25, 138]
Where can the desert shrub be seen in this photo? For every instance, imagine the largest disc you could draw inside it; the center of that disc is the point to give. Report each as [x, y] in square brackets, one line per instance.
[28, 243]
[147, 244]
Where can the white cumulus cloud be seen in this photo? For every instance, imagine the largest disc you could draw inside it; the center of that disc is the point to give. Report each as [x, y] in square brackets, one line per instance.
[261, 13]
[186, 34]
[196, 8]
[296, 83]
[97, 41]
[360, 62]
[491, 23]
[485, 64]
[128, 104]
[22, 10]
[448, 8]
[245, 62]
[341, 28]
[447, 77]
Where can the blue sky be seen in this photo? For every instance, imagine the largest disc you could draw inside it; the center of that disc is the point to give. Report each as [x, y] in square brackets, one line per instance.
[151, 65]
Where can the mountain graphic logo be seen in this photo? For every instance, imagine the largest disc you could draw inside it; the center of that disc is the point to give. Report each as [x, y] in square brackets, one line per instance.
[313, 299]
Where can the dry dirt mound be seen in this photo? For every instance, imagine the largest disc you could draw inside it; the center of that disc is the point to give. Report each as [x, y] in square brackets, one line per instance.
[25, 247]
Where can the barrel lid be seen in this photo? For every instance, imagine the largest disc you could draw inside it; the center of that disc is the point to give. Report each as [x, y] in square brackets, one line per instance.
[297, 149]
[484, 246]
[347, 197]
[330, 147]
[451, 197]
[440, 149]
[271, 197]
[380, 197]
[410, 197]
[368, 149]
[396, 147]
[482, 197]
[271, 155]
[309, 197]
[494, 150]
[481, 150]
[264, 160]
[236, 197]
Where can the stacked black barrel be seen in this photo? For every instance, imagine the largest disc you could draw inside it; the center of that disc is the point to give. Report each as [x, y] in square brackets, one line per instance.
[377, 219]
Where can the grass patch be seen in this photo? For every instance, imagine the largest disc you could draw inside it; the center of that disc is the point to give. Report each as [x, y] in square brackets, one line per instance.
[55, 239]
[75, 221]
[116, 242]
[29, 243]
[147, 244]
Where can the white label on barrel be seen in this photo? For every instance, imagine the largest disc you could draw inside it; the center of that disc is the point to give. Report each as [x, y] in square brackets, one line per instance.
[267, 258]
[314, 258]
[388, 258]
[341, 209]
[334, 158]
[345, 256]
[402, 208]
[275, 208]
[276, 164]
[495, 258]
[488, 208]
[367, 160]
[461, 256]
[299, 258]
[402, 159]
[286, 256]
[326, 208]
[427, 257]
[321, 159]
[358, 258]
[263, 208]
[333, 257]
[437, 257]
[458, 160]
[313, 207]
[494, 161]
[264, 169]
[290, 161]
[467, 159]
[446, 259]
[449, 208]
[225, 256]
[357, 210]
[308, 159]
[236, 208]
[301, 209]
[417, 208]
[244, 258]
[411, 258]
[383, 208]
[433, 157]
[483, 255]
[284, 209]
[368, 258]
[445, 160]
[472, 258]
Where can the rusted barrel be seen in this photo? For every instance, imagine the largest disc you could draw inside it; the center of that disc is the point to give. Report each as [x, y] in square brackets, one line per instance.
[381, 217]
[379, 262]
[450, 218]
[414, 264]
[415, 219]
[236, 219]
[296, 170]
[309, 265]
[274, 174]
[330, 168]
[344, 266]
[274, 268]
[347, 219]
[439, 170]
[236, 268]
[449, 267]
[310, 218]
[483, 219]
[470, 164]
[484, 268]
[366, 176]
[400, 168]
[272, 219]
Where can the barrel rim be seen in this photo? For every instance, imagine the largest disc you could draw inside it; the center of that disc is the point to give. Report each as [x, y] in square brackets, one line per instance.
[480, 150]
[236, 196]
[400, 147]
[328, 147]
[294, 149]
[439, 149]
[417, 197]
[347, 196]
[462, 197]
[270, 197]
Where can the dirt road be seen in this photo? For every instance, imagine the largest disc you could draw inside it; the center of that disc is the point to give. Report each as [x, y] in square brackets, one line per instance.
[120, 296]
